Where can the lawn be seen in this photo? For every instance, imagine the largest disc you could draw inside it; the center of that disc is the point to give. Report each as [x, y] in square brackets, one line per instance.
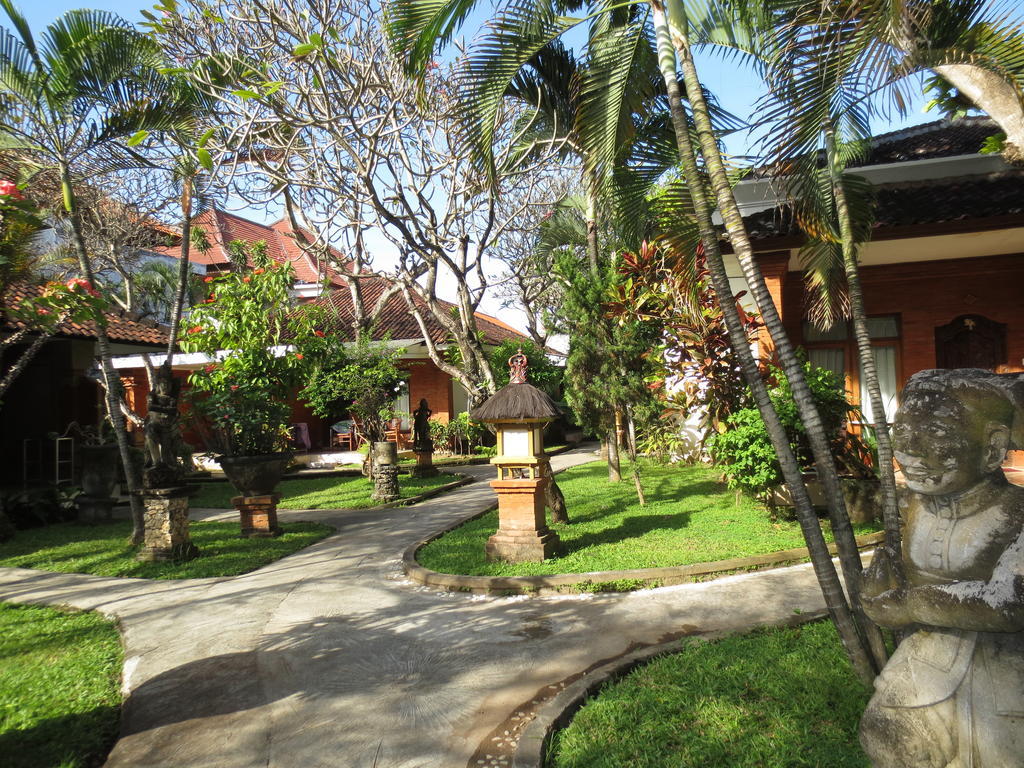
[320, 492]
[103, 550]
[690, 517]
[59, 687]
[780, 697]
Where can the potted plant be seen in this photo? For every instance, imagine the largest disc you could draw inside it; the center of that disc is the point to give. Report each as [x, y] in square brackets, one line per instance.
[258, 350]
[361, 381]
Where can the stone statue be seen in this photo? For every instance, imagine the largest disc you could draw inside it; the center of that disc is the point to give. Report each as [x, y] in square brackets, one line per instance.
[163, 468]
[421, 442]
[952, 695]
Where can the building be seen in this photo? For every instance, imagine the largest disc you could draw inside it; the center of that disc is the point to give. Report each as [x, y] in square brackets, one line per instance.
[943, 273]
[59, 388]
[319, 283]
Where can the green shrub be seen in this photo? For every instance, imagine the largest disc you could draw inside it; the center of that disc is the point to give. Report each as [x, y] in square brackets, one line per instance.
[745, 451]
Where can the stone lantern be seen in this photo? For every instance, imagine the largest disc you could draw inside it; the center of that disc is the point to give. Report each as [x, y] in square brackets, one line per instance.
[519, 413]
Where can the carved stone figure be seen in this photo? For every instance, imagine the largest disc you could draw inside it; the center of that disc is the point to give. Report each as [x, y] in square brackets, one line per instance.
[421, 442]
[162, 468]
[952, 695]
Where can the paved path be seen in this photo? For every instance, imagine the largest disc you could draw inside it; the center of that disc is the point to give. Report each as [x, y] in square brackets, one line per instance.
[331, 658]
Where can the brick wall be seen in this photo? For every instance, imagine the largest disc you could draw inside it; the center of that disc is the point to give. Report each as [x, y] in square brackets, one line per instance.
[929, 294]
[429, 381]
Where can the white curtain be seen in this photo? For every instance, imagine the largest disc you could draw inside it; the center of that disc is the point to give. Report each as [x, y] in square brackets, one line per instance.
[885, 364]
[829, 359]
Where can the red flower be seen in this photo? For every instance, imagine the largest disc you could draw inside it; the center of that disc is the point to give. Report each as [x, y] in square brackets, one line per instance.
[76, 283]
[234, 387]
[10, 189]
[246, 279]
[299, 356]
[319, 334]
[259, 271]
[207, 279]
[210, 368]
[196, 329]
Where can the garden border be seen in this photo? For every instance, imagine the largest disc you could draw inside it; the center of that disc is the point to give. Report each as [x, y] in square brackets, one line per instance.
[557, 712]
[599, 581]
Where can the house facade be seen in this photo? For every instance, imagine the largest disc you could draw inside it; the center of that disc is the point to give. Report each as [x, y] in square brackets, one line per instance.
[943, 273]
[319, 283]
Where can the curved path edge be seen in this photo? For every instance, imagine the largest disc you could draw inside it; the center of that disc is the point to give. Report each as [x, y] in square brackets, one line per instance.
[558, 712]
[571, 582]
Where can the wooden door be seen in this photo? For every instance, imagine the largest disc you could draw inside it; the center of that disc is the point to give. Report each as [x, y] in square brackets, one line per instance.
[971, 341]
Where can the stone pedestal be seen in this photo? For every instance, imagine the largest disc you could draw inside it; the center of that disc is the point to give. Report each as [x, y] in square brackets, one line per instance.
[424, 465]
[523, 535]
[385, 483]
[166, 535]
[94, 509]
[258, 515]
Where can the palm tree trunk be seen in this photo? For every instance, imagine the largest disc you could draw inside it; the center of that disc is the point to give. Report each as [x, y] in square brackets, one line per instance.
[849, 555]
[593, 250]
[821, 560]
[183, 266]
[114, 390]
[886, 474]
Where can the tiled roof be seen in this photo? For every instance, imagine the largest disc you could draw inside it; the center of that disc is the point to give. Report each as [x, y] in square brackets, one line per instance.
[222, 227]
[397, 322]
[929, 141]
[122, 326]
[932, 201]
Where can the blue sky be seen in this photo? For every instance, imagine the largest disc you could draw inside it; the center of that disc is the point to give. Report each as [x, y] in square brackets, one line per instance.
[737, 89]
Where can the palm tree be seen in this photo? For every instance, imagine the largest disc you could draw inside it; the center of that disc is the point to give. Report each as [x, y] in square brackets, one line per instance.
[68, 100]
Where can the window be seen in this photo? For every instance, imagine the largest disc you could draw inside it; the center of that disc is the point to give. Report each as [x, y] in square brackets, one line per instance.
[836, 349]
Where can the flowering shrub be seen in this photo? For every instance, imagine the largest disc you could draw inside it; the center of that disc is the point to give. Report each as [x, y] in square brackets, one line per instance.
[260, 350]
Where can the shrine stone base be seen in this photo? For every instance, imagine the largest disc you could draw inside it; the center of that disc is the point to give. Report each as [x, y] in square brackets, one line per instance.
[258, 515]
[166, 535]
[94, 509]
[385, 483]
[523, 535]
[424, 465]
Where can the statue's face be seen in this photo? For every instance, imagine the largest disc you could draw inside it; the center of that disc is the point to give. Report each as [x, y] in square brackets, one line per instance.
[938, 444]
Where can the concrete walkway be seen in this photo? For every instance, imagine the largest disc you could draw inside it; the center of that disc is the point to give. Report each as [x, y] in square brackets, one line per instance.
[331, 658]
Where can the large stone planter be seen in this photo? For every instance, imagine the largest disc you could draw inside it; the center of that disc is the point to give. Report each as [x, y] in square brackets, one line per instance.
[255, 475]
[100, 469]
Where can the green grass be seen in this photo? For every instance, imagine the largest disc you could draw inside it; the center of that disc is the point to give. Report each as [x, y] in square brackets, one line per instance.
[690, 518]
[782, 697]
[320, 492]
[59, 694]
[103, 550]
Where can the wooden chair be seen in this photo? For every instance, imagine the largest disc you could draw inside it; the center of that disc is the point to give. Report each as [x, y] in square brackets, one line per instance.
[394, 434]
[343, 435]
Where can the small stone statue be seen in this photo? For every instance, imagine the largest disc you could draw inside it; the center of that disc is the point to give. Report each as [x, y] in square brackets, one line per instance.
[163, 468]
[421, 442]
[952, 695]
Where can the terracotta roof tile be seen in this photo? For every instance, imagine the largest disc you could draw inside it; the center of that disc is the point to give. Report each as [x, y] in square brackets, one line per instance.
[121, 326]
[397, 322]
[222, 227]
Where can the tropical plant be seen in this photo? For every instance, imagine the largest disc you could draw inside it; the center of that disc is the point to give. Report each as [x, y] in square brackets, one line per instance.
[541, 372]
[361, 379]
[258, 350]
[745, 452]
[663, 286]
[71, 101]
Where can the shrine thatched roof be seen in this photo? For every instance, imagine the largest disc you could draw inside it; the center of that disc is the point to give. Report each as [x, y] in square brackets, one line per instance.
[516, 401]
